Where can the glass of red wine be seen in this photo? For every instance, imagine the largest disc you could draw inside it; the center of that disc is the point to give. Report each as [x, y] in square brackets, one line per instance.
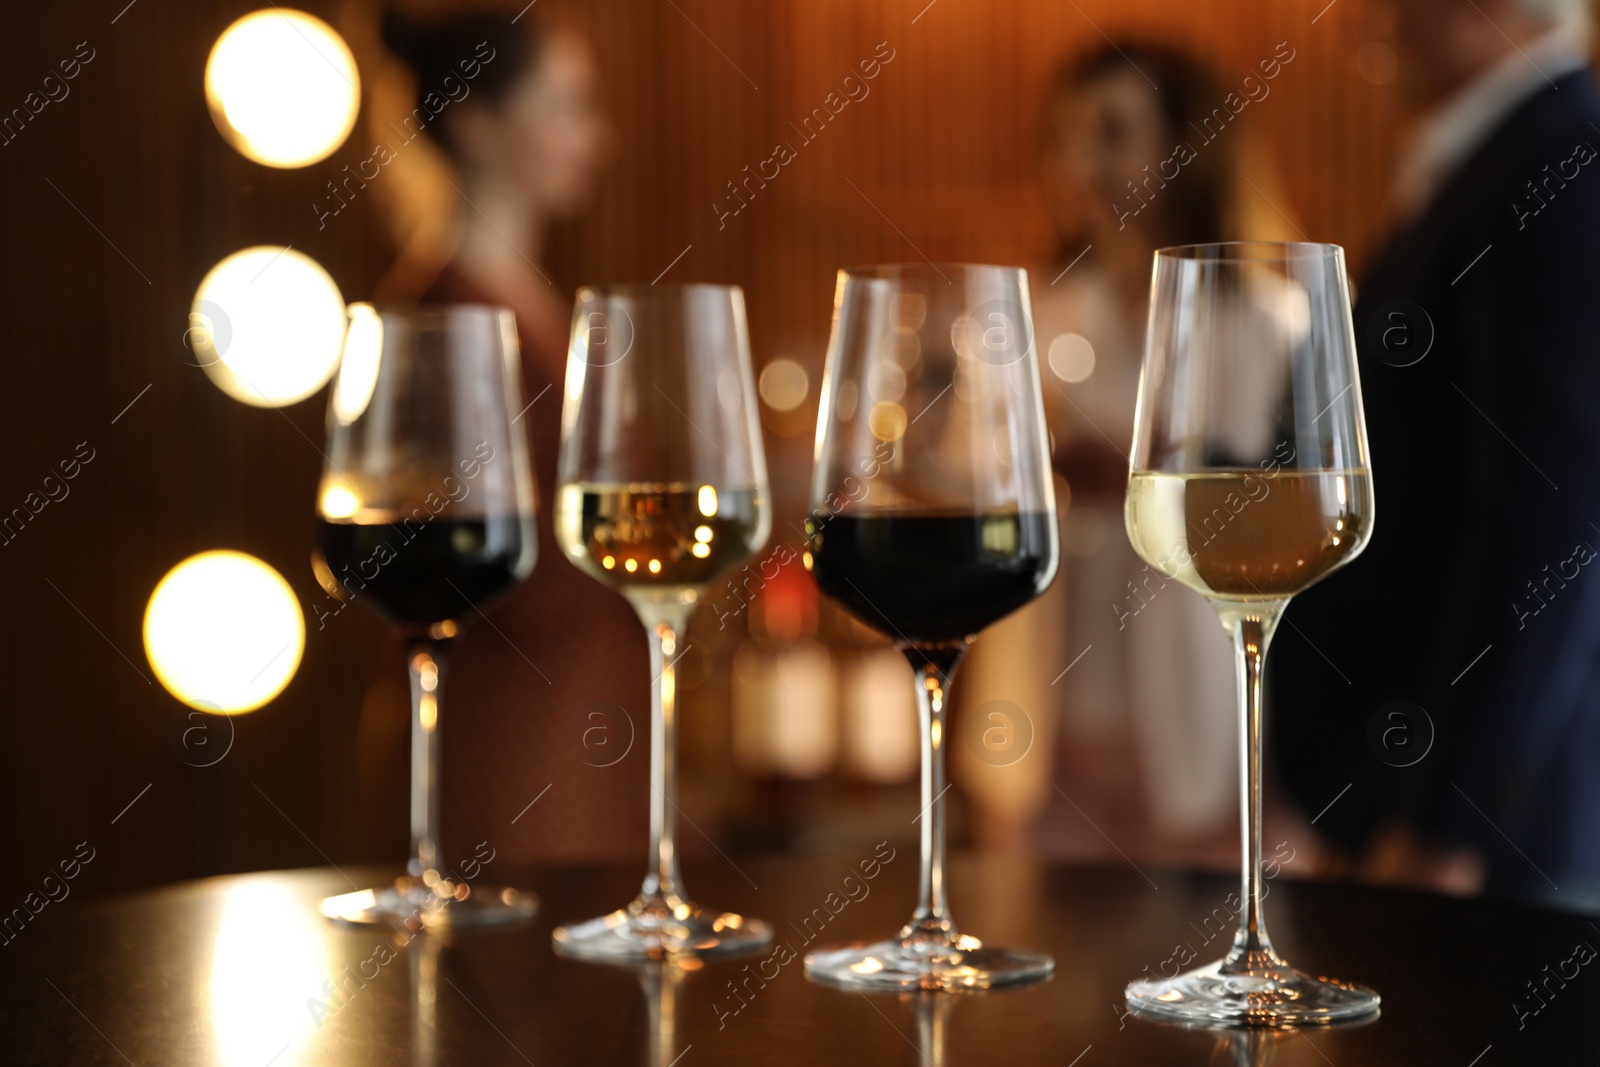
[933, 516]
[425, 516]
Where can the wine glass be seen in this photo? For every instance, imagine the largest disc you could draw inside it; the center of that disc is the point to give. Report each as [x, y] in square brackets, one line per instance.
[1249, 482]
[426, 518]
[663, 488]
[933, 516]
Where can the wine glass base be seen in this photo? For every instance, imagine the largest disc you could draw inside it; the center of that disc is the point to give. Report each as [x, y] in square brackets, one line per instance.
[1276, 997]
[900, 964]
[411, 903]
[649, 929]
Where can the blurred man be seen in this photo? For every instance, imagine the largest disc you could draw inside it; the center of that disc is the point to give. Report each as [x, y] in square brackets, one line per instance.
[1442, 698]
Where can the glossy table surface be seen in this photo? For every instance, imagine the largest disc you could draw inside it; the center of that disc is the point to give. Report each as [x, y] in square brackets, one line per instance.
[232, 971]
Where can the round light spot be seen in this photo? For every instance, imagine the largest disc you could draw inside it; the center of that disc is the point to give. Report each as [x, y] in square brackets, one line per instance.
[886, 381]
[907, 348]
[338, 501]
[282, 87]
[887, 421]
[784, 385]
[908, 311]
[1071, 357]
[267, 327]
[224, 632]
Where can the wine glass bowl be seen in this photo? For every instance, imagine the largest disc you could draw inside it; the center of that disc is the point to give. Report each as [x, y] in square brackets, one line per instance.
[425, 516]
[663, 488]
[933, 516]
[1249, 481]
[1302, 526]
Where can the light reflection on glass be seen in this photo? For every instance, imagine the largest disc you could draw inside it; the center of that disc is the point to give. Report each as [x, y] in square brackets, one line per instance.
[349, 903]
[708, 501]
[339, 502]
[358, 366]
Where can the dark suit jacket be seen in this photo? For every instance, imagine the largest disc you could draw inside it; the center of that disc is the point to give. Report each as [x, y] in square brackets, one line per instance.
[1486, 469]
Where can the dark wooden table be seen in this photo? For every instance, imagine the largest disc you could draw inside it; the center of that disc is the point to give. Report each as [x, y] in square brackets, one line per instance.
[232, 971]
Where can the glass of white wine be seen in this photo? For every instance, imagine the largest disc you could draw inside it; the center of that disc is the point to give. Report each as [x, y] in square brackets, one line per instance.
[663, 488]
[1249, 481]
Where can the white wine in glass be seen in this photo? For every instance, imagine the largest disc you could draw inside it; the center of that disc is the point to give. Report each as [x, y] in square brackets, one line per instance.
[1298, 526]
[661, 537]
[663, 489]
[1249, 482]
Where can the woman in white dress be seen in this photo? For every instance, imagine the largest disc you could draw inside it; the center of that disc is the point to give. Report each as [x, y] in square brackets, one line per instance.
[1125, 677]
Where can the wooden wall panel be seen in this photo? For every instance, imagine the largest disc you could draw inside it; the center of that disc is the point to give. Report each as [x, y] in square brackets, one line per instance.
[944, 146]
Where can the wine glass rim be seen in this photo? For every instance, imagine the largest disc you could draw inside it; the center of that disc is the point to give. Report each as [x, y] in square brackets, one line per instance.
[663, 290]
[430, 311]
[1248, 251]
[889, 271]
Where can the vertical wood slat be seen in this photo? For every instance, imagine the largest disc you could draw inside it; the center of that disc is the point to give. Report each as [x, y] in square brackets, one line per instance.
[945, 146]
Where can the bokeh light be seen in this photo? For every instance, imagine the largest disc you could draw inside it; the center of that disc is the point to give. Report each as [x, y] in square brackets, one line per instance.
[887, 421]
[358, 369]
[282, 87]
[267, 326]
[1071, 357]
[224, 632]
[338, 501]
[784, 385]
[268, 956]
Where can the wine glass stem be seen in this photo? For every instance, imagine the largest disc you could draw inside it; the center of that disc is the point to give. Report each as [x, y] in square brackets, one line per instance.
[425, 660]
[1251, 628]
[664, 881]
[934, 668]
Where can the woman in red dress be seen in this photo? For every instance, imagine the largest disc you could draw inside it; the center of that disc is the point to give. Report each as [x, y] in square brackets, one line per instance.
[546, 692]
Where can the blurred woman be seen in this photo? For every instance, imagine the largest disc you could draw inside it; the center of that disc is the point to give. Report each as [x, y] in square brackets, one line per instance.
[1134, 670]
[500, 132]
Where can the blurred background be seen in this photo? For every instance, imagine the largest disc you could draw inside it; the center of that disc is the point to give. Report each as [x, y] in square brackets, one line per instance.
[799, 733]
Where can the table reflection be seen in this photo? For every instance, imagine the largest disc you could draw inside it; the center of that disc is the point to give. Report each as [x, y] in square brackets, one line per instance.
[932, 1011]
[272, 983]
[422, 958]
[243, 971]
[660, 983]
[1247, 1048]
